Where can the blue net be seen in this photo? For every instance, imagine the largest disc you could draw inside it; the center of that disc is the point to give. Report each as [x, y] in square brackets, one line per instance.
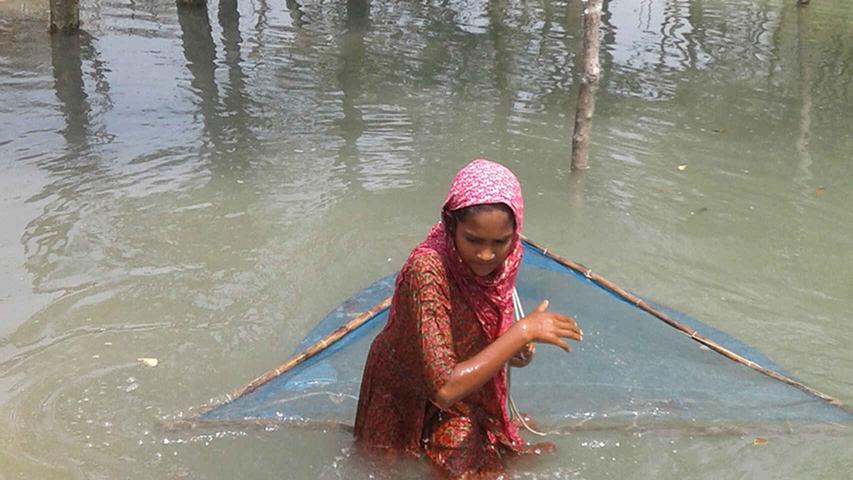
[631, 370]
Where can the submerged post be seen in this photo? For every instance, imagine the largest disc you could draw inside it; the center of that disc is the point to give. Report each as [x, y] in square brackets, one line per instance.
[589, 83]
[64, 15]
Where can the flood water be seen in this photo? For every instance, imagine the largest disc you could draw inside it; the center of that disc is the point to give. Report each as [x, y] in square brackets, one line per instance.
[200, 187]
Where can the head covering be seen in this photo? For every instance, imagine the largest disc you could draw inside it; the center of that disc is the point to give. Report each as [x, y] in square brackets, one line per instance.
[489, 297]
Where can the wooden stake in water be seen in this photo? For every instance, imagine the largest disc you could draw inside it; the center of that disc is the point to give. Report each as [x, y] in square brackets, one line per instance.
[589, 83]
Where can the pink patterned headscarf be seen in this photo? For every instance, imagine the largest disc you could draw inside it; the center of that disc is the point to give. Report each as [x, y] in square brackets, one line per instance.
[490, 297]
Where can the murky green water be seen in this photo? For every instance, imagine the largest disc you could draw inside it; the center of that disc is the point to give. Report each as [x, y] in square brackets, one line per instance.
[200, 187]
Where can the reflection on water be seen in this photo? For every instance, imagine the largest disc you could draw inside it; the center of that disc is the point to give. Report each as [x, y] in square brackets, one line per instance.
[200, 185]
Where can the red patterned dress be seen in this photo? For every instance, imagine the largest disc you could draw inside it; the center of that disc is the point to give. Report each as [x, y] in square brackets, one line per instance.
[410, 361]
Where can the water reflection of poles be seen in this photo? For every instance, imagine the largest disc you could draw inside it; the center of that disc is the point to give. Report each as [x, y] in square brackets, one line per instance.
[67, 64]
[588, 86]
[350, 76]
[200, 54]
[48, 236]
[190, 3]
[502, 68]
[805, 87]
[226, 132]
[239, 133]
[64, 15]
[296, 12]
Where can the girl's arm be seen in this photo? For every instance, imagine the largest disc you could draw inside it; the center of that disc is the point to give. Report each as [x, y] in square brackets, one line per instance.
[540, 326]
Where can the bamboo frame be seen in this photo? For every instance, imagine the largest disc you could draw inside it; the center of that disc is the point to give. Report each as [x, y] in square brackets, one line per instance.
[690, 332]
[367, 315]
[304, 355]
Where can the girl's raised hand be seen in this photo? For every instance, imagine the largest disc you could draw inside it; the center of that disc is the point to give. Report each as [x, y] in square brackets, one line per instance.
[545, 326]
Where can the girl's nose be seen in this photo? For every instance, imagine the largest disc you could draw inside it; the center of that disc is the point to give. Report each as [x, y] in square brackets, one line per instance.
[486, 255]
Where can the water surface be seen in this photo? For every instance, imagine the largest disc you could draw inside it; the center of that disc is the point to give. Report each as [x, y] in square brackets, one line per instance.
[201, 186]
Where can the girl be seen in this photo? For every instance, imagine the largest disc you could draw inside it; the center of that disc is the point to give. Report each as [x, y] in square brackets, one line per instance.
[435, 378]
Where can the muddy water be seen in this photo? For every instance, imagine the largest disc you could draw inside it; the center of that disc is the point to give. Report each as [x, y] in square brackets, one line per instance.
[200, 187]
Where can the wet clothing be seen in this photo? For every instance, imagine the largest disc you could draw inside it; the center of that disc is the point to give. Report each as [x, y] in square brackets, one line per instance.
[408, 362]
[443, 313]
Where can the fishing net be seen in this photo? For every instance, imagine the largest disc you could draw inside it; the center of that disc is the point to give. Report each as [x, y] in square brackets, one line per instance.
[632, 370]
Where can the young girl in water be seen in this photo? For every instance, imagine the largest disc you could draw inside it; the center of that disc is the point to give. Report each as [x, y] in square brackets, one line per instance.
[435, 378]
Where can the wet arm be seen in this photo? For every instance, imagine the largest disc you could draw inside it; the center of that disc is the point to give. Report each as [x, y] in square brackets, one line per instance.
[539, 326]
[471, 374]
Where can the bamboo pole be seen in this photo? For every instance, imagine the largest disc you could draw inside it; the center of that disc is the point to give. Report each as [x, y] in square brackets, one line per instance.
[365, 316]
[64, 16]
[588, 86]
[305, 354]
[690, 332]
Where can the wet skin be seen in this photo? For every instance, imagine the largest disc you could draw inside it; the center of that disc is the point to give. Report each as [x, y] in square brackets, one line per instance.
[483, 241]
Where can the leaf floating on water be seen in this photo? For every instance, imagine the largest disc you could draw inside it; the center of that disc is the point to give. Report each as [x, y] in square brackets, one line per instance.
[682, 168]
[759, 441]
[820, 191]
[148, 362]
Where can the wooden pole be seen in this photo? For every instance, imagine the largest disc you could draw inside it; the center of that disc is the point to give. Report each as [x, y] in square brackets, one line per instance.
[309, 352]
[64, 16]
[588, 86]
[194, 419]
[685, 329]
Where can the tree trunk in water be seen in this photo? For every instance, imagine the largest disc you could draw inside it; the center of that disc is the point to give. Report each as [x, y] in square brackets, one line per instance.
[589, 84]
[64, 15]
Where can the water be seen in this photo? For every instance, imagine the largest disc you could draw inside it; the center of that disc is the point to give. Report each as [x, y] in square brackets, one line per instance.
[200, 187]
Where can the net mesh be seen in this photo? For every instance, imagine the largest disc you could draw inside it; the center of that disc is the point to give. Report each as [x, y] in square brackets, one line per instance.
[631, 370]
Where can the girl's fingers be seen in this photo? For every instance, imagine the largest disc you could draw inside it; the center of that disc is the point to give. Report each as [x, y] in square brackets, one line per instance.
[573, 326]
[570, 335]
[542, 306]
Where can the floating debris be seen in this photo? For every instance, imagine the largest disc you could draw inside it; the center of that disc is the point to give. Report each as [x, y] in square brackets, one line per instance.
[148, 362]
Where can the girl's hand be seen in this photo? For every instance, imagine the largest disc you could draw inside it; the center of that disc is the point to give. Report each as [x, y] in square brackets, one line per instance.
[550, 327]
[523, 357]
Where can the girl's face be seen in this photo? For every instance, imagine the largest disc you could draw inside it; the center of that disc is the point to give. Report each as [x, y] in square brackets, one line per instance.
[483, 240]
